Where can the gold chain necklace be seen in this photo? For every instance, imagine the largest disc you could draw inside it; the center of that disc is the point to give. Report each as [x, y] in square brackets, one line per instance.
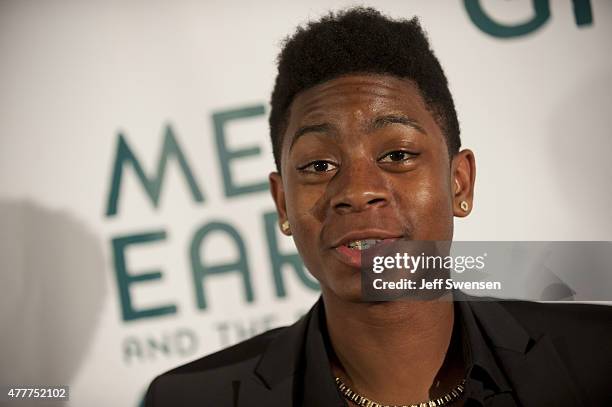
[362, 401]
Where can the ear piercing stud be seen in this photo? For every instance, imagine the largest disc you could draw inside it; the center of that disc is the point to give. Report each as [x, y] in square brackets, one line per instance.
[464, 206]
[285, 227]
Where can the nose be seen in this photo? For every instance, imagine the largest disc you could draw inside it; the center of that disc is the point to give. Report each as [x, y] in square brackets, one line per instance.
[359, 187]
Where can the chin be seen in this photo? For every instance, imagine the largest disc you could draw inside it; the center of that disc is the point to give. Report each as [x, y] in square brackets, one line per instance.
[351, 296]
[346, 287]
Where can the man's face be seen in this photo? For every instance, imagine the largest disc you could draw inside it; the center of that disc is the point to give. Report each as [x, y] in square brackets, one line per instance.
[363, 158]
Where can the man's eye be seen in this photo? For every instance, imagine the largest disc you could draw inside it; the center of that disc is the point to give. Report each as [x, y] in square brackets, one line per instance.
[318, 166]
[397, 156]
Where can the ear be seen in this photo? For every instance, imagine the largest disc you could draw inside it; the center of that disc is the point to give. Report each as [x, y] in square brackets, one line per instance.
[278, 195]
[463, 170]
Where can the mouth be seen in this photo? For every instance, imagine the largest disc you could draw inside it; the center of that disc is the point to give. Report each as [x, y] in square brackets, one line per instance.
[363, 244]
[351, 248]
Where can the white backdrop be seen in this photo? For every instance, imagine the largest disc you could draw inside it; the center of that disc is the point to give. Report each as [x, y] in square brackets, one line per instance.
[75, 75]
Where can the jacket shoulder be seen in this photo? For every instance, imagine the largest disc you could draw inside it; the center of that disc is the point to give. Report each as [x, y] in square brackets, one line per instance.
[581, 334]
[233, 355]
[207, 378]
[562, 318]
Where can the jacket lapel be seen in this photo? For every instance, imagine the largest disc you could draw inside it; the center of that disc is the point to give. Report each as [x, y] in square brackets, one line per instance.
[253, 393]
[272, 382]
[530, 360]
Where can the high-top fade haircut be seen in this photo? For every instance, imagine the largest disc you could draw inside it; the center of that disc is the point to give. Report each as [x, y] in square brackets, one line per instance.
[360, 40]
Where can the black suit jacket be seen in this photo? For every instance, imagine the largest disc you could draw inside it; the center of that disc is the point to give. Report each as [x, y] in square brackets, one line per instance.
[552, 355]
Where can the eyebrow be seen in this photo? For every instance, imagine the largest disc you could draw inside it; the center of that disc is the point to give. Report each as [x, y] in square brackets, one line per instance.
[378, 123]
[386, 120]
[311, 128]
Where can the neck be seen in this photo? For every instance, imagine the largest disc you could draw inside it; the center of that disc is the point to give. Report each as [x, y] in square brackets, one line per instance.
[390, 352]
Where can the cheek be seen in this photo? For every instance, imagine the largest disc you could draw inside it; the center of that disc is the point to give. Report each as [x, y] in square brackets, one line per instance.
[304, 200]
[426, 206]
[297, 203]
[434, 195]
[301, 210]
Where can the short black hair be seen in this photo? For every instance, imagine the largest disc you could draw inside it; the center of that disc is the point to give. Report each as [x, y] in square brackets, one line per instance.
[360, 40]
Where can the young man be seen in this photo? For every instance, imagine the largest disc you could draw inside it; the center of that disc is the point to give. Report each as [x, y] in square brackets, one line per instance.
[366, 142]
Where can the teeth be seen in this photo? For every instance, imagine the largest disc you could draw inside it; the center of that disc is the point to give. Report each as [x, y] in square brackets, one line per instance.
[363, 244]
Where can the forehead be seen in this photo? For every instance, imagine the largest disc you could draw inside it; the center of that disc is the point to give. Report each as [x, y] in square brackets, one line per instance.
[358, 96]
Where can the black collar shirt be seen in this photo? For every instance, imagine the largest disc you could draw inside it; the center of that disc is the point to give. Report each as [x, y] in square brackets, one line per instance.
[485, 384]
[516, 354]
